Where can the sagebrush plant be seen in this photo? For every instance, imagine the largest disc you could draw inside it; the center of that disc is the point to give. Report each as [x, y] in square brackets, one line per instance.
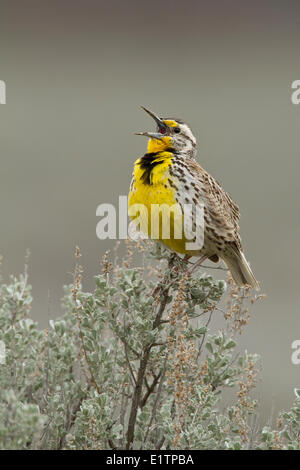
[133, 365]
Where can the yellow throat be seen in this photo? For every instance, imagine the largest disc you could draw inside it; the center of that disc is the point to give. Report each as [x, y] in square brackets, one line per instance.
[151, 186]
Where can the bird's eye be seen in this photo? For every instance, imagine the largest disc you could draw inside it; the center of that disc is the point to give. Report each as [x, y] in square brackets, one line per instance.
[177, 130]
[162, 130]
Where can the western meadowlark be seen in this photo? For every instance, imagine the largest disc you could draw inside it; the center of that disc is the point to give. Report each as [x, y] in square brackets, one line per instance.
[169, 174]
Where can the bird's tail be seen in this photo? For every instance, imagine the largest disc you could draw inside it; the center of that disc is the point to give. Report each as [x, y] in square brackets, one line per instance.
[240, 269]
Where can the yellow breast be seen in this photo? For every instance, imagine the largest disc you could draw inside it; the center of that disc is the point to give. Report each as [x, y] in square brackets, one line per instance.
[150, 190]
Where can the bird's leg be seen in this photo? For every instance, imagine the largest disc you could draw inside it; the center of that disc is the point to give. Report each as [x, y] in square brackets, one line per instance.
[188, 272]
[195, 265]
[186, 258]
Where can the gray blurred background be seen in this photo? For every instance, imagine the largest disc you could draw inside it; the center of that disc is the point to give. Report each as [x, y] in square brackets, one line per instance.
[76, 73]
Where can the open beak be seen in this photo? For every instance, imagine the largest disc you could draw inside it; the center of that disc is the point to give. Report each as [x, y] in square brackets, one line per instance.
[161, 126]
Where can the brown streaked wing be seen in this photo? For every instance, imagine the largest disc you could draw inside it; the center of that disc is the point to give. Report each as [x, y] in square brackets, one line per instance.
[223, 211]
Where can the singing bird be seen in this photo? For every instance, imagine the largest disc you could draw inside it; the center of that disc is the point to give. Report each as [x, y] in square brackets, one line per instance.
[169, 174]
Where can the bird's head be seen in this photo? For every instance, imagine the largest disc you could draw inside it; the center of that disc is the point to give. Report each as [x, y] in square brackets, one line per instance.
[170, 134]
